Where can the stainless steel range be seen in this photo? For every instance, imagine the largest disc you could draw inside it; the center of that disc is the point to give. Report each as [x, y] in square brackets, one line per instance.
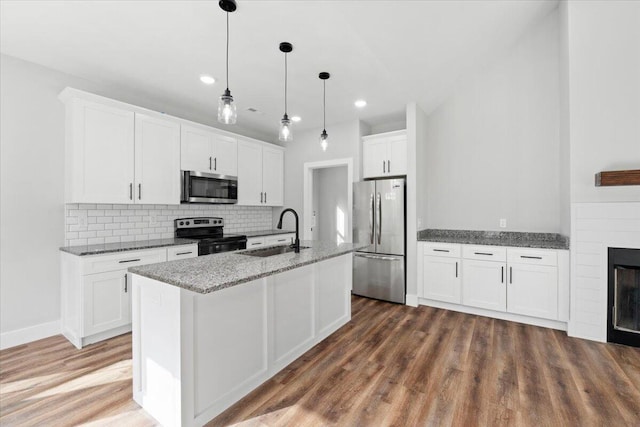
[210, 235]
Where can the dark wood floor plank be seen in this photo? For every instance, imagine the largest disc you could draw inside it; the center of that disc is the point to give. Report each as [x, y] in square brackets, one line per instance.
[391, 365]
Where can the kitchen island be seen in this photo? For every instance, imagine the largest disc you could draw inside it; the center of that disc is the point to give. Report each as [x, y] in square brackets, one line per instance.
[208, 330]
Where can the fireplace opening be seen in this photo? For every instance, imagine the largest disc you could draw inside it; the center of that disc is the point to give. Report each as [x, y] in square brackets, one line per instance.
[624, 297]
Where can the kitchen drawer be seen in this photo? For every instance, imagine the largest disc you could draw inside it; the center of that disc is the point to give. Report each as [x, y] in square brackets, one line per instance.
[122, 260]
[279, 239]
[532, 256]
[484, 253]
[181, 252]
[450, 250]
[255, 242]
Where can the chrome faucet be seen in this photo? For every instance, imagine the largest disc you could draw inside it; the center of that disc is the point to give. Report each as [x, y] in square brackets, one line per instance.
[296, 243]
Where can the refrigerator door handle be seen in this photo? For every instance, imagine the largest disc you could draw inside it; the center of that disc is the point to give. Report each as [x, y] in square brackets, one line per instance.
[378, 257]
[379, 212]
[371, 222]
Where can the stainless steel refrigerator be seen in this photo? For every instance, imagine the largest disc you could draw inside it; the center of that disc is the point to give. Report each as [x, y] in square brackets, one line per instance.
[379, 221]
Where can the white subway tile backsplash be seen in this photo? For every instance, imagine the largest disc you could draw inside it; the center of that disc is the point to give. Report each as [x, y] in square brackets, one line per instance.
[107, 223]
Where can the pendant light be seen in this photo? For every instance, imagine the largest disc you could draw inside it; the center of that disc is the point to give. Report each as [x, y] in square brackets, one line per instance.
[227, 113]
[285, 123]
[324, 137]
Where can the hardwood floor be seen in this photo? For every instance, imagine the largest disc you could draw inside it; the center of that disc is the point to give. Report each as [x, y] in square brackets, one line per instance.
[391, 365]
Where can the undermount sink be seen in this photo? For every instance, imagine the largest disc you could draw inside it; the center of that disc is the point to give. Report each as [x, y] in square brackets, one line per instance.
[270, 251]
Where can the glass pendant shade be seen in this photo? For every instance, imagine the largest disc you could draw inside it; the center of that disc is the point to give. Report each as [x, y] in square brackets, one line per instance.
[324, 140]
[227, 113]
[285, 129]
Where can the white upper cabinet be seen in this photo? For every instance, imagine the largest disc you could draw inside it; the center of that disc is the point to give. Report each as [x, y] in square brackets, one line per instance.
[99, 153]
[384, 154]
[260, 174]
[196, 148]
[157, 161]
[273, 176]
[114, 155]
[204, 150]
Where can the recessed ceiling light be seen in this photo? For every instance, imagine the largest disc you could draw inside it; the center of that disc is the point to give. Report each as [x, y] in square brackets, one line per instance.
[207, 79]
[360, 103]
[295, 119]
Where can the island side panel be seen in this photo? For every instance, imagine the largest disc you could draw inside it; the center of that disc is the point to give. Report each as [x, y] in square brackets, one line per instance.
[156, 338]
[333, 284]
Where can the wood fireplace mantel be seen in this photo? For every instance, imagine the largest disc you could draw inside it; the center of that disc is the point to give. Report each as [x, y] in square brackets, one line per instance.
[611, 178]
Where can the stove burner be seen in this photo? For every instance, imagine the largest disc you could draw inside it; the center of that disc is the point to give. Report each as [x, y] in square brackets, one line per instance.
[210, 235]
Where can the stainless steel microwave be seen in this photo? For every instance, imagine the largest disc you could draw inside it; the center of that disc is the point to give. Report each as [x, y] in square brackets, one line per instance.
[201, 187]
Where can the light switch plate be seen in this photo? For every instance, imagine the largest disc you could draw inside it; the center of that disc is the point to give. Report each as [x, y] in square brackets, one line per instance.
[503, 223]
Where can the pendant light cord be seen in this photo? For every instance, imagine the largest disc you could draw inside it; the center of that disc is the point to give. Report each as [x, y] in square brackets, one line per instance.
[285, 83]
[227, 51]
[324, 105]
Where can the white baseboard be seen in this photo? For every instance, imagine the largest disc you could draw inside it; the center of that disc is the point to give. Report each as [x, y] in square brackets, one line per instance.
[412, 300]
[22, 336]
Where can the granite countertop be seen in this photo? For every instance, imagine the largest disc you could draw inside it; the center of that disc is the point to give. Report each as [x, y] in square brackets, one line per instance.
[124, 246]
[261, 233]
[210, 273]
[496, 238]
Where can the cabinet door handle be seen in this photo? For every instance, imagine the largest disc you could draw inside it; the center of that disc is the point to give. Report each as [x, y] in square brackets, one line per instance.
[139, 191]
[261, 197]
[209, 163]
[282, 240]
[131, 191]
[441, 250]
[510, 275]
[530, 257]
[456, 269]
[265, 197]
[384, 167]
[256, 243]
[184, 253]
[389, 166]
[125, 283]
[215, 163]
[502, 274]
[129, 260]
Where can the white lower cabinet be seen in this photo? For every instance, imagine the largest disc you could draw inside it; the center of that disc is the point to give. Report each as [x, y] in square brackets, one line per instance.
[276, 239]
[533, 290]
[96, 291]
[520, 283]
[107, 302]
[484, 285]
[441, 278]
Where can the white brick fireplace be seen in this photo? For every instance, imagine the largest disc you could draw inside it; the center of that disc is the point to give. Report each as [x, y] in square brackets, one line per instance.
[594, 228]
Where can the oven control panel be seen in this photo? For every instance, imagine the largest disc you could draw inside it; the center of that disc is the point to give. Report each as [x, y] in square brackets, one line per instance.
[199, 222]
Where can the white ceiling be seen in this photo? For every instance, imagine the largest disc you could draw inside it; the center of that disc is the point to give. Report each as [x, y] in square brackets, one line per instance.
[387, 52]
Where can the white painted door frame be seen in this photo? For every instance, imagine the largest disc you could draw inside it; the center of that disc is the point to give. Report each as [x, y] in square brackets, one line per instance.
[309, 167]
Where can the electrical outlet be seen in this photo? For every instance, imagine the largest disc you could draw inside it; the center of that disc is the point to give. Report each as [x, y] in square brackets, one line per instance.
[503, 223]
[153, 221]
[419, 222]
[82, 219]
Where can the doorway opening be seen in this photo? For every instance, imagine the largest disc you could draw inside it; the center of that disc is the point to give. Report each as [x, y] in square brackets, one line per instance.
[328, 200]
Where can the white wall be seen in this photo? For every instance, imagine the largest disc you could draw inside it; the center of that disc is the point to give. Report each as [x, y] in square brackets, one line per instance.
[344, 142]
[331, 204]
[604, 78]
[493, 147]
[32, 188]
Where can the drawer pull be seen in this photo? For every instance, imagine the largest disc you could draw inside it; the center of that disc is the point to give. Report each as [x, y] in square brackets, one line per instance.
[483, 253]
[441, 250]
[257, 243]
[129, 260]
[282, 240]
[184, 253]
[530, 257]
